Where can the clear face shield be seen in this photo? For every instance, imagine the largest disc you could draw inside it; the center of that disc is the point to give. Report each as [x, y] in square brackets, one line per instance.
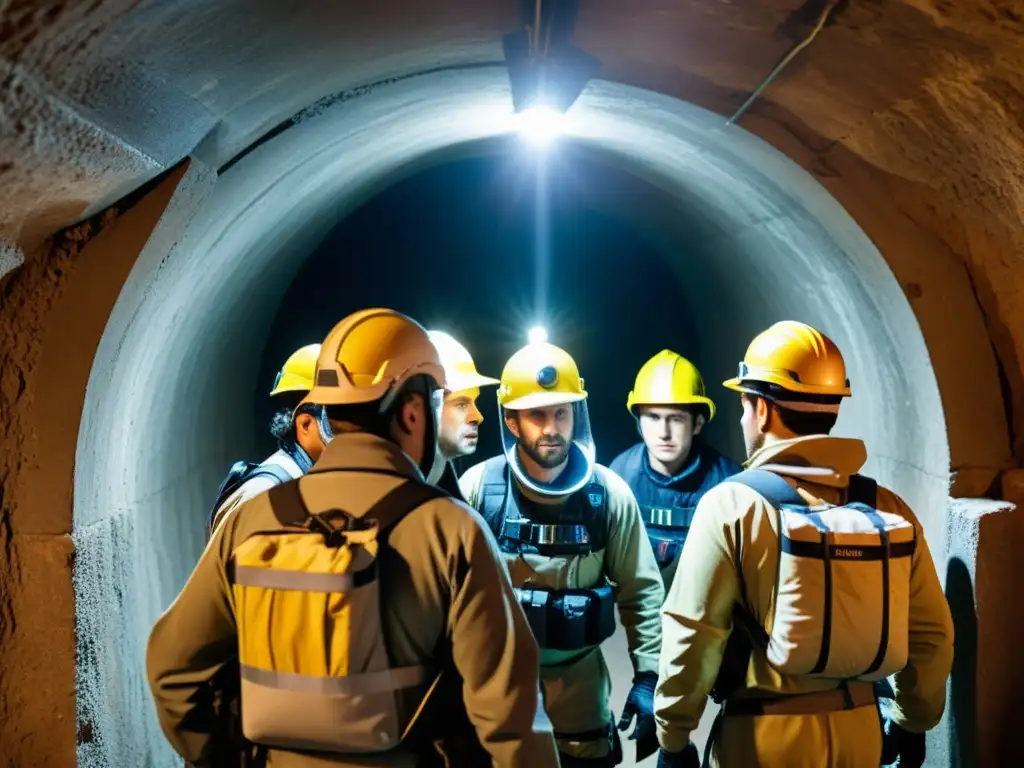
[551, 438]
[433, 458]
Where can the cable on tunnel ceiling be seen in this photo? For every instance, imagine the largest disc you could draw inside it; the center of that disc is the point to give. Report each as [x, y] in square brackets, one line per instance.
[784, 61]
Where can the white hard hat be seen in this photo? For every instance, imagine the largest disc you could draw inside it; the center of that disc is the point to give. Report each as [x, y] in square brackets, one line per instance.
[459, 368]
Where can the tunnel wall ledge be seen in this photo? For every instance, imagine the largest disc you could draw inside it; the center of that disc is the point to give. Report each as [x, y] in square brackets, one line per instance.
[983, 571]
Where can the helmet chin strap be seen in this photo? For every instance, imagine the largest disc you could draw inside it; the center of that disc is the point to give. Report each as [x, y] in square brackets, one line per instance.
[323, 426]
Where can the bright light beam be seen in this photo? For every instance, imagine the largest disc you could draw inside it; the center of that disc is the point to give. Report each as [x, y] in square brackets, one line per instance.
[537, 335]
[540, 126]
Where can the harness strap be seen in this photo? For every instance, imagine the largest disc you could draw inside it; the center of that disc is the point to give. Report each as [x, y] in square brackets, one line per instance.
[290, 509]
[849, 695]
[667, 517]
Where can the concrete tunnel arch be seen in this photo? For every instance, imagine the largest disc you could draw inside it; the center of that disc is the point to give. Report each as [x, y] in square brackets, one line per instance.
[182, 346]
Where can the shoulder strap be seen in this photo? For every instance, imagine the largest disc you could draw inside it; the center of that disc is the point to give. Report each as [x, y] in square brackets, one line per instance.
[493, 491]
[275, 471]
[287, 504]
[494, 472]
[770, 485]
[595, 496]
[863, 489]
[400, 501]
[291, 510]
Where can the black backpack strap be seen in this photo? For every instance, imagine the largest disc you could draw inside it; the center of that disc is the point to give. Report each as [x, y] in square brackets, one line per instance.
[494, 489]
[594, 498]
[863, 489]
[770, 485]
[275, 471]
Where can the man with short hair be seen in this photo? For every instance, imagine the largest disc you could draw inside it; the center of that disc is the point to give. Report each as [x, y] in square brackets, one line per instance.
[450, 678]
[672, 467]
[575, 547]
[298, 429]
[461, 418]
[801, 584]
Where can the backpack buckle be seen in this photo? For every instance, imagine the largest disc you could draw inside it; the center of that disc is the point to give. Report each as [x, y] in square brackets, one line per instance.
[334, 537]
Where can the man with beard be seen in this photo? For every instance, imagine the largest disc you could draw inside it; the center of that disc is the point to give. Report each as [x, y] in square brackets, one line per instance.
[801, 583]
[575, 546]
[671, 468]
[460, 419]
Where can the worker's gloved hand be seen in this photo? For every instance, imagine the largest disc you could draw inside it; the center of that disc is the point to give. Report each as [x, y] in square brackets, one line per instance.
[640, 704]
[898, 743]
[688, 758]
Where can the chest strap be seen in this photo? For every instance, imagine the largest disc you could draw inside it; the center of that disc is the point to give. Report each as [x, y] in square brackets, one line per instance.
[667, 517]
[580, 527]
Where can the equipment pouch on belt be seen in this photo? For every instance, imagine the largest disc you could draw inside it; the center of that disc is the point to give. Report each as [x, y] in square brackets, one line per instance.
[569, 619]
[842, 596]
[667, 544]
[315, 673]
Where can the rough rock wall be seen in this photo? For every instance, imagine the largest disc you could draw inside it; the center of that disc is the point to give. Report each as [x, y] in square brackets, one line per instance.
[52, 315]
[36, 600]
[73, 115]
[929, 94]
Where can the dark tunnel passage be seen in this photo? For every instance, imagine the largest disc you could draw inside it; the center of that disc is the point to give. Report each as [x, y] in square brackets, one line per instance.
[665, 220]
[458, 248]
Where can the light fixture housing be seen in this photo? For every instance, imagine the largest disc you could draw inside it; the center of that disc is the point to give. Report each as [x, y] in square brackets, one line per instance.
[544, 69]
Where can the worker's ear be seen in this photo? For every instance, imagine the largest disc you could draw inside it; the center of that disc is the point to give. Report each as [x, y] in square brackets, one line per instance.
[304, 424]
[512, 422]
[698, 423]
[411, 412]
[763, 411]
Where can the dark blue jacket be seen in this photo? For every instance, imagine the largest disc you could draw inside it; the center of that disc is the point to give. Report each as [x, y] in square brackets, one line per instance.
[667, 503]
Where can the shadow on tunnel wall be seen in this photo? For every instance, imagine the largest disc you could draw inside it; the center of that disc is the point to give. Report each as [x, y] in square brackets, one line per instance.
[472, 247]
[963, 704]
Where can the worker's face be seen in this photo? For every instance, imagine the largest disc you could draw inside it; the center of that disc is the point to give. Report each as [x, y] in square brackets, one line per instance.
[460, 423]
[668, 432]
[307, 435]
[754, 422]
[543, 433]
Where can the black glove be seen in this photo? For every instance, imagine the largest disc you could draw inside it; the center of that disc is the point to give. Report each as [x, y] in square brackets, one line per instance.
[640, 704]
[688, 758]
[901, 744]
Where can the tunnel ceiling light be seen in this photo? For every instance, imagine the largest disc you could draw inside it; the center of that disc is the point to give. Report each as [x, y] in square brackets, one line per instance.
[545, 71]
[540, 125]
[537, 335]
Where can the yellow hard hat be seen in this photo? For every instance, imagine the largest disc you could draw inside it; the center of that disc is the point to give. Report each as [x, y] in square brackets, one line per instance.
[370, 354]
[795, 357]
[540, 375]
[459, 368]
[296, 375]
[669, 379]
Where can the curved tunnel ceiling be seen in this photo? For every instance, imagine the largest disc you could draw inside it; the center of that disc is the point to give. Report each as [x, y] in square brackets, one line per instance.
[909, 112]
[162, 419]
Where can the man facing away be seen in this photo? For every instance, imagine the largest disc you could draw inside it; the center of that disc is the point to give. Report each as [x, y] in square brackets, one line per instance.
[801, 584]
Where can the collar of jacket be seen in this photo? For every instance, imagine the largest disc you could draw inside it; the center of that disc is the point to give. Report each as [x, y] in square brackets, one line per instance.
[821, 459]
[692, 468]
[357, 450]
